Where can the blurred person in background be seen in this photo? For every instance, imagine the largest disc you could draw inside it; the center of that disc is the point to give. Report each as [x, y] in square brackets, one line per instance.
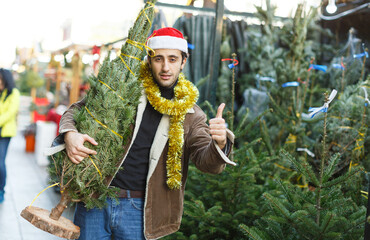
[9, 105]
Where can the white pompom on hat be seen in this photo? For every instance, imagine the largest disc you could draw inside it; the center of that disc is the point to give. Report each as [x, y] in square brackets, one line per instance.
[167, 38]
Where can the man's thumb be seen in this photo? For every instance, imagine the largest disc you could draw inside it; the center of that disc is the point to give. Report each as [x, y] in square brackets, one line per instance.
[220, 110]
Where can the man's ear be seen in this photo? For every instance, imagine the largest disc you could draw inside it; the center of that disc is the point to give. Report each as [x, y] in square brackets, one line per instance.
[148, 60]
[183, 63]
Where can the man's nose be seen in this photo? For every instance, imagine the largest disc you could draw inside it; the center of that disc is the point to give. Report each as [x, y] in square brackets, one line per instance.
[165, 66]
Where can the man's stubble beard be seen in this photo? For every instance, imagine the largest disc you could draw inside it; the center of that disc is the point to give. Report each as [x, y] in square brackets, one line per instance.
[154, 77]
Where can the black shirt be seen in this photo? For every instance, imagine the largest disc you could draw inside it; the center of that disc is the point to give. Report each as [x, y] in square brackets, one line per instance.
[135, 167]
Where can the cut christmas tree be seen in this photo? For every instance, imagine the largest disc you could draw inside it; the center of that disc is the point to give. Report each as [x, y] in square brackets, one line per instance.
[108, 117]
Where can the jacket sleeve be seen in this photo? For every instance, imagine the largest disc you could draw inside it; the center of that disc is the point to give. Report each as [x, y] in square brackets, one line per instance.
[12, 110]
[203, 150]
[67, 122]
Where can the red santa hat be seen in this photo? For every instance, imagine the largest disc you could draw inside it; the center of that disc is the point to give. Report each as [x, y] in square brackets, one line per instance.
[167, 38]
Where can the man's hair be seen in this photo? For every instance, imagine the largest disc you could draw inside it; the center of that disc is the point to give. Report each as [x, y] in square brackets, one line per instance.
[184, 55]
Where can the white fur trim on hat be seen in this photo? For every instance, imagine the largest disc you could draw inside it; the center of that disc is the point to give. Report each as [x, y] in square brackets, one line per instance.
[168, 42]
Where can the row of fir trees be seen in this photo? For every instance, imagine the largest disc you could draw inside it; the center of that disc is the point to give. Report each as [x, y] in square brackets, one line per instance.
[299, 175]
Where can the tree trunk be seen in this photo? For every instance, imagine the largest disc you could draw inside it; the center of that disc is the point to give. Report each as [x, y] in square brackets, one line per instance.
[62, 205]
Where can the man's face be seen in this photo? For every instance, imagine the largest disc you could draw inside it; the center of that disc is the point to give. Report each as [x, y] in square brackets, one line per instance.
[166, 66]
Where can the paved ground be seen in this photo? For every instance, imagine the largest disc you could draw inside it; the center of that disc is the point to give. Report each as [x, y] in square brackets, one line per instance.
[25, 179]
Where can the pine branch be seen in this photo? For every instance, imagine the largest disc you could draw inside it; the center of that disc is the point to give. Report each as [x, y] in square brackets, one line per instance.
[329, 170]
[209, 106]
[299, 214]
[278, 206]
[280, 111]
[242, 121]
[323, 157]
[303, 167]
[325, 223]
[275, 203]
[303, 99]
[232, 96]
[239, 132]
[297, 193]
[266, 137]
[250, 232]
[247, 146]
[275, 228]
[287, 194]
[342, 178]
[294, 106]
[359, 222]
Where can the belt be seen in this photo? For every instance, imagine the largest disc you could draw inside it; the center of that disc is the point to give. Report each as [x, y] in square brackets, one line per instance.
[123, 193]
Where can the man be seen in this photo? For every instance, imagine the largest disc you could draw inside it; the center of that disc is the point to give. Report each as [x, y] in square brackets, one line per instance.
[153, 177]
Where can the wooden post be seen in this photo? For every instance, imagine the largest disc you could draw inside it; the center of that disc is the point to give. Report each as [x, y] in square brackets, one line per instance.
[76, 78]
[57, 87]
[33, 89]
[33, 94]
[48, 80]
[33, 97]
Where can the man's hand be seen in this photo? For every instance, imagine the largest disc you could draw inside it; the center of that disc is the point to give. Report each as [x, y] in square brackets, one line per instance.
[217, 127]
[76, 151]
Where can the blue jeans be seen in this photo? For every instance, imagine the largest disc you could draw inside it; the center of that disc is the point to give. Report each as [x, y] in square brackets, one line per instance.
[4, 143]
[122, 220]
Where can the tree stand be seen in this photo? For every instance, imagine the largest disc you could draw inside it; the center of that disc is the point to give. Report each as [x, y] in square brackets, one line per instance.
[53, 222]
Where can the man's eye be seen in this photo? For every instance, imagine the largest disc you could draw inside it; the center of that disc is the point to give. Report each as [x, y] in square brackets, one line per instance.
[173, 59]
[157, 59]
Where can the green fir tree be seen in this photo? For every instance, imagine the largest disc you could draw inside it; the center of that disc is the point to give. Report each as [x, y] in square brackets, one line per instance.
[322, 211]
[275, 188]
[108, 117]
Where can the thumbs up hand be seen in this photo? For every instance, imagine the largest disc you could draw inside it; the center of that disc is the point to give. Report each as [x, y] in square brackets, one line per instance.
[217, 127]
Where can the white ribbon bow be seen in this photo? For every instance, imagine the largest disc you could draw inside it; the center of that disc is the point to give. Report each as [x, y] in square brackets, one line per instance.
[325, 107]
[366, 98]
[307, 151]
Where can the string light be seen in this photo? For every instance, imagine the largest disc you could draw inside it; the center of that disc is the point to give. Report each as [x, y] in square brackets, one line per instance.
[331, 7]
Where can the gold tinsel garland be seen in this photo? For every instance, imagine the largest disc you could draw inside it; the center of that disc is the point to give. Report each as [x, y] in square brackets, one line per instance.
[186, 95]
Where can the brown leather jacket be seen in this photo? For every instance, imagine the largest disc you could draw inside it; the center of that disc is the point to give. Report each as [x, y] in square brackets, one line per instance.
[164, 207]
